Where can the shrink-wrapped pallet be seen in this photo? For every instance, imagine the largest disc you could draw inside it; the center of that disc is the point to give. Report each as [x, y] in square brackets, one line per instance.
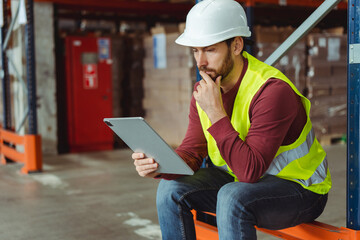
[326, 82]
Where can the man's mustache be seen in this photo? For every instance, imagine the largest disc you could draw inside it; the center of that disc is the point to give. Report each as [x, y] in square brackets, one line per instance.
[205, 69]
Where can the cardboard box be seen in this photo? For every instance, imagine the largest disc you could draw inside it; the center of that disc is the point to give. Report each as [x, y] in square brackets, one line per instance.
[327, 48]
[272, 34]
[168, 90]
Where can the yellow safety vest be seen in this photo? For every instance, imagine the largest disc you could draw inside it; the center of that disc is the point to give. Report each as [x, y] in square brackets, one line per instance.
[303, 161]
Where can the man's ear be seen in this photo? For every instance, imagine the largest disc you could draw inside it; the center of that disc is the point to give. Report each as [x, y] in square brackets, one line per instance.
[238, 45]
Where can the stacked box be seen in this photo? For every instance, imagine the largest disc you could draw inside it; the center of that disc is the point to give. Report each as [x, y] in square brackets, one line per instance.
[268, 39]
[327, 83]
[168, 88]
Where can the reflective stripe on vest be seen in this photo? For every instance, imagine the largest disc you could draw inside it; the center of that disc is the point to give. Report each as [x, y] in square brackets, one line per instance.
[285, 158]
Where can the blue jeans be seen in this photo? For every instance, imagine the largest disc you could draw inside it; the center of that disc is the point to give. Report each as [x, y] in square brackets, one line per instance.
[271, 203]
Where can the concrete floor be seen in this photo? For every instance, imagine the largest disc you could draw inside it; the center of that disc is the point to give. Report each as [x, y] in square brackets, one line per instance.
[100, 196]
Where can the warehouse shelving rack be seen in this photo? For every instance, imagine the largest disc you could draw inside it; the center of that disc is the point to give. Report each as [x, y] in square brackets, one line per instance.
[353, 143]
[9, 139]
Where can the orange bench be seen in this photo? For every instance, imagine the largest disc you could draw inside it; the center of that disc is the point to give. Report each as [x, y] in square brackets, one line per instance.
[307, 231]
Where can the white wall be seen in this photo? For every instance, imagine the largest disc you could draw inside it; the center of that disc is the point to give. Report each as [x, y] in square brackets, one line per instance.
[45, 76]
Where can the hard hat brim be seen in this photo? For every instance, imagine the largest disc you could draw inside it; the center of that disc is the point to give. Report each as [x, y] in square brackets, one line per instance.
[186, 40]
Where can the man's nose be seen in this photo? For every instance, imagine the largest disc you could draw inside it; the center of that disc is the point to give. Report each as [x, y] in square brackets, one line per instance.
[201, 60]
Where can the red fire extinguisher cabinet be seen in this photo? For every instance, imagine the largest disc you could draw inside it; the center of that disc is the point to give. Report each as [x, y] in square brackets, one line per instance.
[89, 99]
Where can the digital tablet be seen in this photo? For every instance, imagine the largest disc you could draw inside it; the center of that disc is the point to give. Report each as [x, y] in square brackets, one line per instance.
[140, 137]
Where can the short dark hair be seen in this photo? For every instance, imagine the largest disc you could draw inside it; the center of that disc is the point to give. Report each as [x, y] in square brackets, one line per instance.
[229, 41]
[247, 41]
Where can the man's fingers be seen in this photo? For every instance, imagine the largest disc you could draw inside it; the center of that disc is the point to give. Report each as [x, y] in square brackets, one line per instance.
[144, 170]
[137, 155]
[218, 81]
[145, 173]
[144, 161]
[206, 77]
[149, 167]
[146, 167]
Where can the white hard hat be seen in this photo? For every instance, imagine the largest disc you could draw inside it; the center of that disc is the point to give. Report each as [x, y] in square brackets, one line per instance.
[213, 21]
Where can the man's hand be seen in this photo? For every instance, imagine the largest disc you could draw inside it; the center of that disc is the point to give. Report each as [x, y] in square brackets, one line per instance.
[145, 167]
[208, 96]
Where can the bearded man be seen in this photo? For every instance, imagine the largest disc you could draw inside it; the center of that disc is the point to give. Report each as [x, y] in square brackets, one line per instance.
[268, 170]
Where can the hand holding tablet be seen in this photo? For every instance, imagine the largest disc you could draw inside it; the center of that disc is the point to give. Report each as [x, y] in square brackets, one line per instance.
[146, 167]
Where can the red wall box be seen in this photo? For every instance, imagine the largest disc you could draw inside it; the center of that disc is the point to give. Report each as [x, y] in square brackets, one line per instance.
[89, 99]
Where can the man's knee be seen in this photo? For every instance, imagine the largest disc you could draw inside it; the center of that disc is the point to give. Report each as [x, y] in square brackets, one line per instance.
[168, 192]
[235, 197]
[233, 204]
[234, 192]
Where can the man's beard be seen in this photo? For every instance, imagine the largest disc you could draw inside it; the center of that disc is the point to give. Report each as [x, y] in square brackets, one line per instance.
[224, 71]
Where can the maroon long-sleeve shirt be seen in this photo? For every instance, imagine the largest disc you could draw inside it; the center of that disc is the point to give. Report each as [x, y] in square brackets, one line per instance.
[277, 118]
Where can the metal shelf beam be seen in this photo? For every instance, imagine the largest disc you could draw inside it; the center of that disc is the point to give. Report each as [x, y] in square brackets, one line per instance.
[30, 67]
[129, 7]
[353, 117]
[299, 3]
[143, 7]
[4, 73]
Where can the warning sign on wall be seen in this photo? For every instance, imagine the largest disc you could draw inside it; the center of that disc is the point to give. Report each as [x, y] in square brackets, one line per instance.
[90, 77]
